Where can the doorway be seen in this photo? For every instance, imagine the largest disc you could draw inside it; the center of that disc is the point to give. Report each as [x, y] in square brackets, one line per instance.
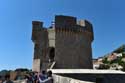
[51, 54]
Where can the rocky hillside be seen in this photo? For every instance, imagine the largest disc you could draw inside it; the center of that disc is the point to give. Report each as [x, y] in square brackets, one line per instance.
[114, 60]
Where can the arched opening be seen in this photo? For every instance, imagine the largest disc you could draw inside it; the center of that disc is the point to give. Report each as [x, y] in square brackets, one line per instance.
[51, 54]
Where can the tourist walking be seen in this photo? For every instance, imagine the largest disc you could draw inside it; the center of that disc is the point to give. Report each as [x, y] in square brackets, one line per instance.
[42, 76]
[1, 80]
[7, 79]
[49, 78]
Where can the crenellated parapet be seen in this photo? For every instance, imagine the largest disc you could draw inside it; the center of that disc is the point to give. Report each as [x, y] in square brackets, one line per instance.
[38, 31]
[70, 25]
[75, 30]
[63, 24]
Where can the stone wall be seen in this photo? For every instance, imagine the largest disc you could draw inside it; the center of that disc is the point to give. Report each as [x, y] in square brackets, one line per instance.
[36, 65]
[62, 79]
[73, 50]
[41, 43]
[51, 37]
[98, 78]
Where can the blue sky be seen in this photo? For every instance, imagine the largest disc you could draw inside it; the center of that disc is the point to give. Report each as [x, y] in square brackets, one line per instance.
[16, 47]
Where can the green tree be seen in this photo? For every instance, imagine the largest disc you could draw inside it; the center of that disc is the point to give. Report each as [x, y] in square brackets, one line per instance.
[105, 61]
[121, 49]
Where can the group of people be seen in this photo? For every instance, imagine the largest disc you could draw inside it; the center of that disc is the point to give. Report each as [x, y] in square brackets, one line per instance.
[34, 77]
[6, 80]
[43, 77]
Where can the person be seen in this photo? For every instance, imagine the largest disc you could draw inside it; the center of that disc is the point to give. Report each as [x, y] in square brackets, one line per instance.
[49, 78]
[35, 77]
[7, 79]
[42, 76]
[28, 79]
[1, 81]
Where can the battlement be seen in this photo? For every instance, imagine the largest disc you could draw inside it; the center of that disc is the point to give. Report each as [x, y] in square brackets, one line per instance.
[70, 25]
[37, 31]
[37, 24]
[66, 24]
[70, 22]
[62, 21]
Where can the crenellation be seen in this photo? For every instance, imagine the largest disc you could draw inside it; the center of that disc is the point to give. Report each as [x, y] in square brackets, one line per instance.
[38, 24]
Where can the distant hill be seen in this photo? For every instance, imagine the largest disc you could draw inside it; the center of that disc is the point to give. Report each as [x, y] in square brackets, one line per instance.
[114, 60]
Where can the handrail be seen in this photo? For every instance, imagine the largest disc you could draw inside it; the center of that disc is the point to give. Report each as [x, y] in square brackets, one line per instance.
[52, 65]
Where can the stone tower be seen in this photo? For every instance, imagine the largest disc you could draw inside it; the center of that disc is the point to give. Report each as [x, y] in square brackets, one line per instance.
[66, 44]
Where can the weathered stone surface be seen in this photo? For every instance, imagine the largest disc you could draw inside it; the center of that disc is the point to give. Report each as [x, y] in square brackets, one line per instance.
[36, 65]
[62, 79]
